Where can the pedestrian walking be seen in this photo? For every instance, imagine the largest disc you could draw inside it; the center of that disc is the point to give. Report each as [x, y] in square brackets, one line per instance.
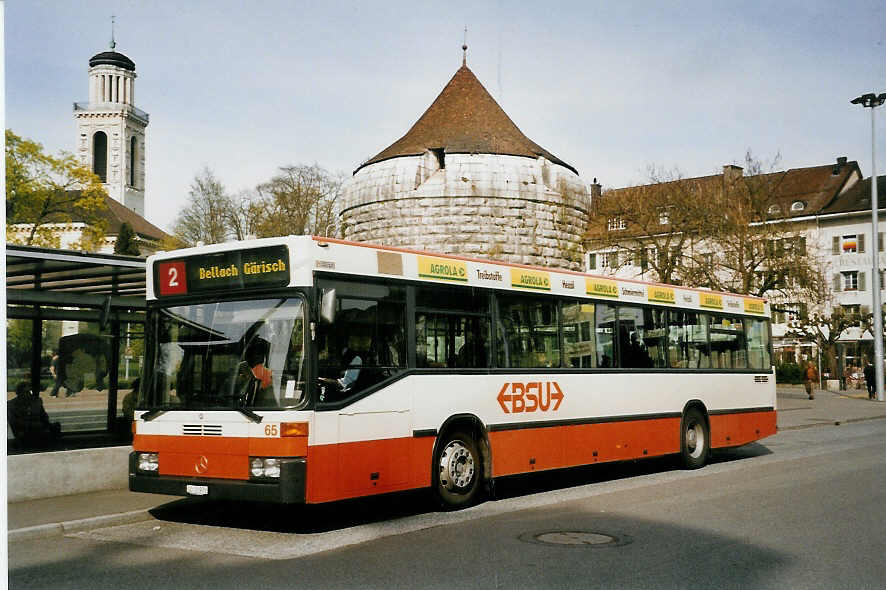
[869, 378]
[810, 375]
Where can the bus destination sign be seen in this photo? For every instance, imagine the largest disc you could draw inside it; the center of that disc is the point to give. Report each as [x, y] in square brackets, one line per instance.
[235, 269]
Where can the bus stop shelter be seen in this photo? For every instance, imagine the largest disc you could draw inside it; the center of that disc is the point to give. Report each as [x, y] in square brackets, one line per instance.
[75, 339]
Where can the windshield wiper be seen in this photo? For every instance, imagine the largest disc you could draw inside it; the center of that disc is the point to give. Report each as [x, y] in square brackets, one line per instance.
[250, 414]
[155, 413]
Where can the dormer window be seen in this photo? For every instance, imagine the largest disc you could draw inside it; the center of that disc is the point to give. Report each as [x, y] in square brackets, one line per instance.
[616, 224]
[798, 206]
[774, 210]
[440, 154]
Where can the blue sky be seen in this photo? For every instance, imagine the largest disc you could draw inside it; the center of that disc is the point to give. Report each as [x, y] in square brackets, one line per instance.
[610, 87]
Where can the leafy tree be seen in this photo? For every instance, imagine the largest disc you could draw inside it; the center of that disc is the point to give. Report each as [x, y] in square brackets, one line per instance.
[127, 241]
[44, 193]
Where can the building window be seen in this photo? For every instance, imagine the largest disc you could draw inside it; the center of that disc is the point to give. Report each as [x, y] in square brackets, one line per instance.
[848, 244]
[609, 259]
[616, 224]
[787, 313]
[851, 309]
[592, 261]
[850, 281]
[132, 143]
[100, 155]
[798, 206]
[664, 215]
[774, 210]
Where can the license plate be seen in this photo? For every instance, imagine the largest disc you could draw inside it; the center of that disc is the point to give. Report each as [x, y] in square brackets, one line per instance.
[197, 490]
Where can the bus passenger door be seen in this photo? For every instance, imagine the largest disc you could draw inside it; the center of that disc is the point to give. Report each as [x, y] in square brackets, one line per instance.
[374, 455]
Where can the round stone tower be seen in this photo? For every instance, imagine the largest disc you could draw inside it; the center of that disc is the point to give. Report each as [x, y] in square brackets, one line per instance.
[465, 180]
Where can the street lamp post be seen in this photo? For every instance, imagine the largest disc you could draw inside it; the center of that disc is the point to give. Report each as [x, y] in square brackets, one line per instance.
[872, 101]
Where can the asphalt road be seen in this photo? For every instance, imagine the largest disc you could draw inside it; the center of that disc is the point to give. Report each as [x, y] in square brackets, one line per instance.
[802, 509]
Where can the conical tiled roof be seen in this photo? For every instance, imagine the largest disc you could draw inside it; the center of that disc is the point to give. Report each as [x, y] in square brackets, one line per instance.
[465, 119]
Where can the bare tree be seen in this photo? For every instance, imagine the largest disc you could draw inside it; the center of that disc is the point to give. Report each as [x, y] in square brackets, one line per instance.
[653, 226]
[299, 200]
[244, 215]
[729, 231]
[206, 218]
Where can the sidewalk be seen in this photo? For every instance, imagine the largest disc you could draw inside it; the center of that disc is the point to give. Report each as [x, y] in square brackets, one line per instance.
[65, 514]
[795, 410]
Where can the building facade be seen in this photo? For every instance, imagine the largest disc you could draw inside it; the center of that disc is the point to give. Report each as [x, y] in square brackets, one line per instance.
[826, 210]
[465, 180]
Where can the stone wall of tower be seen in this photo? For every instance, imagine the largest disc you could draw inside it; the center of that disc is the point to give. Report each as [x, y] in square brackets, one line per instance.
[509, 208]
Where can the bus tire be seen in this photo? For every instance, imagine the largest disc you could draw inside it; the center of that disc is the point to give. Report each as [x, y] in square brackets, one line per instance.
[458, 470]
[694, 439]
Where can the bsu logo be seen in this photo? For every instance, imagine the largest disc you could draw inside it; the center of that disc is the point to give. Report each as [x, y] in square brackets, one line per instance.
[530, 397]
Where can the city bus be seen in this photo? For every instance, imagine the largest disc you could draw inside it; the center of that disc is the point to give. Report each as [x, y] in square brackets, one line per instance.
[309, 369]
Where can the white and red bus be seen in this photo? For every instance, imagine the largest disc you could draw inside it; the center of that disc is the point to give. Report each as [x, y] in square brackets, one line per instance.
[307, 370]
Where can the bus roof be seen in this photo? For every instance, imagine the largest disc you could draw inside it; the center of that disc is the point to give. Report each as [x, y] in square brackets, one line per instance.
[309, 254]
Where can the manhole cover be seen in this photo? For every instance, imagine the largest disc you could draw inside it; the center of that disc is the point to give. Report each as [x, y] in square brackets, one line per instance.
[575, 539]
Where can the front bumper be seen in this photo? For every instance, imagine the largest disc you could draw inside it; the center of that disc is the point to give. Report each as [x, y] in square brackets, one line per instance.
[290, 489]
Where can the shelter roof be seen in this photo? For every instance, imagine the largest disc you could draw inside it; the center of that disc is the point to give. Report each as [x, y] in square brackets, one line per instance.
[47, 269]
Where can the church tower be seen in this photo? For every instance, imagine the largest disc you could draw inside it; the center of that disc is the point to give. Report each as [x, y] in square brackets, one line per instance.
[111, 130]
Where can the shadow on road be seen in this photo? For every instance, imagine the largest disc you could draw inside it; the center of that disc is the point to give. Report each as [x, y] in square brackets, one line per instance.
[319, 518]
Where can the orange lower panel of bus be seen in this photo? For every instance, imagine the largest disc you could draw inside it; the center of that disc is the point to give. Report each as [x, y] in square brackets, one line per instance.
[538, 449]
[348, 470]
[215, 457]
[732, 430]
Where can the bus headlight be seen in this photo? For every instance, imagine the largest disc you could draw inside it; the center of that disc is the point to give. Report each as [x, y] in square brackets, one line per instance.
[264, 467]
[148, 462]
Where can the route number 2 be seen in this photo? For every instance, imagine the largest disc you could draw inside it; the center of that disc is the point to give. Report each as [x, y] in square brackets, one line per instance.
[171, 278]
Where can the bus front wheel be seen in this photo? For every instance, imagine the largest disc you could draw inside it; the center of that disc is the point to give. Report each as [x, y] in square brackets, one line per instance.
[457, 470]
[694, 439]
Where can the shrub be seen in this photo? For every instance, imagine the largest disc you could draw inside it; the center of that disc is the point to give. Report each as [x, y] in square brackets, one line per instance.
[788, 373]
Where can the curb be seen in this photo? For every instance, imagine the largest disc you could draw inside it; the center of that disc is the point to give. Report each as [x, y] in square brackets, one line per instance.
[834, 423]
[73, 526]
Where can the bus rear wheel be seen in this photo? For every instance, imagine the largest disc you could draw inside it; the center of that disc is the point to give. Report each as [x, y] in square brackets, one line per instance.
[458, 470]
[694, 439]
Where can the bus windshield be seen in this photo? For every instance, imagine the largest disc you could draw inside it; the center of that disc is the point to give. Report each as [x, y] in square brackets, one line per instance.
[230, 354]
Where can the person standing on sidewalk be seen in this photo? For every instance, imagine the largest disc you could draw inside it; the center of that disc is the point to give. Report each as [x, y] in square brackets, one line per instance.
[869, 378]
[810, 375]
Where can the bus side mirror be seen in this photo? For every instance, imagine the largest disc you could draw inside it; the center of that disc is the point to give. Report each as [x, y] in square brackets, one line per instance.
[327, 306]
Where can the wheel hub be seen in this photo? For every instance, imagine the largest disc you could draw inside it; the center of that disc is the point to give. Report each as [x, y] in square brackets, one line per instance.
[456, 466]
